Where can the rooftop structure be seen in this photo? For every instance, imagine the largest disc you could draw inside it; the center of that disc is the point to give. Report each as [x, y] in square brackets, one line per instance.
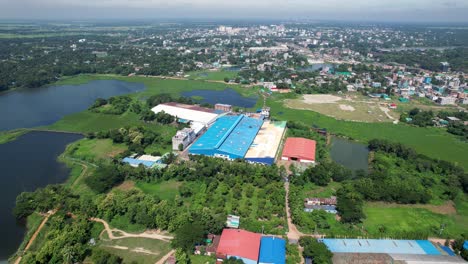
[240, 244]
[229, 137]
[184, 137]
[233, 221]
[423, 247]
[146, 160]
[299, 149]
[272, 251]
[193, 113]
[266, 143]
[223, 107]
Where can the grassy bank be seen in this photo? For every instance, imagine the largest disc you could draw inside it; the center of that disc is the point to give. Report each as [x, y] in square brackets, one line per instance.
[8, 136]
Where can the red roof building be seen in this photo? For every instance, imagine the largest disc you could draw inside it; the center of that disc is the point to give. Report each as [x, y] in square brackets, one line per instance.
[299, 149]
[240, 244]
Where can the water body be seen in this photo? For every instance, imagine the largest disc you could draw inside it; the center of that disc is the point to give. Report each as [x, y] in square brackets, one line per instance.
[351, 155]
[227, 96]
[43, 106]
[26, 164]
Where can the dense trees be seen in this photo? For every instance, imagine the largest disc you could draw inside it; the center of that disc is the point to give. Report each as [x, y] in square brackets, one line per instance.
[105, 177]
[349, 204]
[317, 251]
[100, 256]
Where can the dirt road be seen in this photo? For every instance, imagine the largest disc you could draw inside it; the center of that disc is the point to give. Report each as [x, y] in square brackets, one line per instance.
[163, 259]
[34, 236]
[123, 234]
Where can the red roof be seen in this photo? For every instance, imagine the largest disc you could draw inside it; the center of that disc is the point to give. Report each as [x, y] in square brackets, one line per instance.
[239, 243]
[300, 148]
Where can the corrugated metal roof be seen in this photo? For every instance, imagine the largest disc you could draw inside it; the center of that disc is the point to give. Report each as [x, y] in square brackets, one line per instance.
[272, 250]
[300, 148]
[239, 243]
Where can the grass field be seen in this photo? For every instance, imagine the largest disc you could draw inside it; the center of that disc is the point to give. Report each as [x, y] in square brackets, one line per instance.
[165, 190]
[212, 75]
[139, 250]
[90, 149]
[430, 141]
[196, 259]
[407, 219]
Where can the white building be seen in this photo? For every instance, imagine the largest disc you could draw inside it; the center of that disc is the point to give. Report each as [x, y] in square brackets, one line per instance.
[184, 137]
[183, 112]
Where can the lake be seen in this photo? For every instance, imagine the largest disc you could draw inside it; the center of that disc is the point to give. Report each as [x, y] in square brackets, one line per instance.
[226, 96]
[26, 108]
[26, 164]
[350, 154]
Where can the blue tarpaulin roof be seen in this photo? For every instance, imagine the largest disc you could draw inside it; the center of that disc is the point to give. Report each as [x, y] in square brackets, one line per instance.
[272, 250]
[465, 245]
[136, 162]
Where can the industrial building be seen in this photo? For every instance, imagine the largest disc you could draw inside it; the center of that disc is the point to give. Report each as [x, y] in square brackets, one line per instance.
[272, 251]
[223, 107]
[267, 142]
[184, 137]
[145, 160]
[199, 117]
[299, 149]
[240, 244]
[386, 246]
[229, 137]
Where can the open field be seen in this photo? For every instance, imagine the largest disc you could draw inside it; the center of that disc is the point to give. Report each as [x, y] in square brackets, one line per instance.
[89, 149]
[165, 190]
[430, 141]
[140, 250]
[398, 219]
[212, 75]
[196, 259]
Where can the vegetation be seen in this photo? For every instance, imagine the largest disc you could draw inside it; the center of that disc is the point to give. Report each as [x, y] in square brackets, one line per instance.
[315, 250]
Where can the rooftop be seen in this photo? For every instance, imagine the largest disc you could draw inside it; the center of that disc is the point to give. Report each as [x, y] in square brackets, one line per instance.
[300, 148]
[423, 247]
[238, 242]
[272, 250]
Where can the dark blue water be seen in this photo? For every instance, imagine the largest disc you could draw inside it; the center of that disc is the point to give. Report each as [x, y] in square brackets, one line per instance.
[26, 164]
[43, 106]
[227, 96]
[352, 155]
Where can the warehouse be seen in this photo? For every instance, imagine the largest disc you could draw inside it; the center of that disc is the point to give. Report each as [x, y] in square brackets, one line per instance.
[229, 137]
[186, 112]
[266, 144]
[387, 246]
[299, 149]
[240, 244]
[272, 250]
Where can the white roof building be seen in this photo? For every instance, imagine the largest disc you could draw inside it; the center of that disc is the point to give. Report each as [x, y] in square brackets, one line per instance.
[192, 113]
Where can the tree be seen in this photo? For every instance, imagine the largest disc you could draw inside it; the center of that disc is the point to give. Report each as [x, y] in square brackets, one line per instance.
[101, 256]
[349, 204]
[182, 257]
[226, 79]
[188, 235]
[317, 251]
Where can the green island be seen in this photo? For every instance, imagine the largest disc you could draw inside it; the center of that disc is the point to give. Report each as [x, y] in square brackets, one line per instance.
[197, 193]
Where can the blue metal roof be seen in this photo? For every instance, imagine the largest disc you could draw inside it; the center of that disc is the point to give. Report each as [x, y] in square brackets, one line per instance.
[465, 245]
[136, 162]
[423, 247]
[272, 250]
[230, 135]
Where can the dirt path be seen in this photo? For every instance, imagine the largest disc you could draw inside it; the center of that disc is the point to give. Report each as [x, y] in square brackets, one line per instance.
[386, 110]
[293, 233]
[34, 236]
[123, 234]
[163, 259]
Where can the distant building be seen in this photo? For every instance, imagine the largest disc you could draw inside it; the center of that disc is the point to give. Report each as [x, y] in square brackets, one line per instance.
[326, 204]
[223, 107]
[184, 137]
[447, 100]
[145, 160]
[444, 66]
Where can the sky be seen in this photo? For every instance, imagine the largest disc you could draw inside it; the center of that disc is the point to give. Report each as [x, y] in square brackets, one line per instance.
[345, 10]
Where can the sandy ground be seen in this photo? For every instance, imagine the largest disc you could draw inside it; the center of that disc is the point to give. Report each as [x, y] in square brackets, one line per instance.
[320, 98]
[347, 108]
[122, 234]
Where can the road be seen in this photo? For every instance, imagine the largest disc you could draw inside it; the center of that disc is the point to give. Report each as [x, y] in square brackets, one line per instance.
[123, 234]
[34, 236]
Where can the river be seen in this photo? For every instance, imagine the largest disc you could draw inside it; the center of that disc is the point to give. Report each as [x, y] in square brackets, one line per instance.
[26, 108]
[26, 164]
[30, 161]
[350, 154]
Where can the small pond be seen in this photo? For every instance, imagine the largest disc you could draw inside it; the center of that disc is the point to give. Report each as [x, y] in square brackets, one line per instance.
[227, 96]
[350, 154]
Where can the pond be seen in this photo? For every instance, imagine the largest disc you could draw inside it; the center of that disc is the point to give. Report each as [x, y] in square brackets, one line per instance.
[226, 96]
[26, 108]
[26, 164]
[350, 154]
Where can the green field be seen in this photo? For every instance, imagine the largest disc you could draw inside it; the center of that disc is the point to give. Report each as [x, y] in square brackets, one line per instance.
[8, 136]
[212, 75]
[407, 219]
[165, 190]
[430, 141]
[197, 259]
[90, 149]
[139, 250]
